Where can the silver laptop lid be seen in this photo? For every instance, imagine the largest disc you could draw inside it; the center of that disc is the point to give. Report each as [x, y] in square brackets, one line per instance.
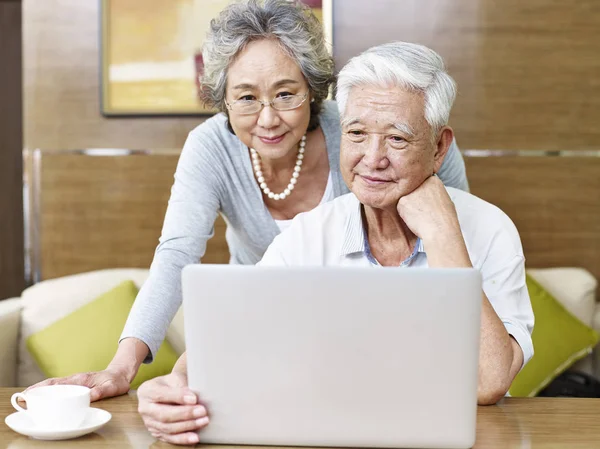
[381, 357]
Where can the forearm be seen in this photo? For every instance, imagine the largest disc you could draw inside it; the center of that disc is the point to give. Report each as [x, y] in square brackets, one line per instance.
[128, 358]
[156, 303]
[500, 357]
[448, 250]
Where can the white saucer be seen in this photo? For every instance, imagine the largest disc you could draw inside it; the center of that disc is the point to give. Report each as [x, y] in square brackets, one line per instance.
[21, 423]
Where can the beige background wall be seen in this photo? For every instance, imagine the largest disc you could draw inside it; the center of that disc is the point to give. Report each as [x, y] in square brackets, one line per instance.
[528, 75]
[62, 85]
[528, 72]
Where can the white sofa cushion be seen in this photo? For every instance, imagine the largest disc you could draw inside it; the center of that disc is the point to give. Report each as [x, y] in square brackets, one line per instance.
[10, 315]
[50, 300]
[574, 288]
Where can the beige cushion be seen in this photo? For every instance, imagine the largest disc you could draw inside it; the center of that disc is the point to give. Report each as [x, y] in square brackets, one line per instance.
[48, 301]
[575, 288]
[10, 315]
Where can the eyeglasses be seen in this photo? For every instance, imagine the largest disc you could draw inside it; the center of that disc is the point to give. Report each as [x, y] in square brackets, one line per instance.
[283, 103]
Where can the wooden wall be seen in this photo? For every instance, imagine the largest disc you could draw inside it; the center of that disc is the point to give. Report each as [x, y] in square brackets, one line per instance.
[11, 185]
[528, 71]
[95, 212]
[553, 201]
[528, 76]
[62, 85]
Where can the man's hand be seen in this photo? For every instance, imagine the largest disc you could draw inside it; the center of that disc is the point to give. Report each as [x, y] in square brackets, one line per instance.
[170, 410]
[430, 214]
[104, 384]
[428, 210]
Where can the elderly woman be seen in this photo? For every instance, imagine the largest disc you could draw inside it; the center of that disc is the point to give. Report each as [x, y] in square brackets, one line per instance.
[394, 102]
[272, 153]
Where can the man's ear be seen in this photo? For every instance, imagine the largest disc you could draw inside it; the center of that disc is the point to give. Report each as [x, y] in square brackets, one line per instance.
[444, 140]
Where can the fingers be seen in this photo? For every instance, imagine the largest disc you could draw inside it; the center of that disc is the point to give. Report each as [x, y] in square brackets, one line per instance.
[162, 390]
[188, 438]
[41, 384]
[76, 379]
[103, 384]
[170, 410]
[183, 433]
[105, 390]
[109, 384]
[171, 413]
[177, 427]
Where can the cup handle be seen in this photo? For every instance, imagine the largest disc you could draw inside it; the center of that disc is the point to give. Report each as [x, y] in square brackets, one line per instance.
[13, 401]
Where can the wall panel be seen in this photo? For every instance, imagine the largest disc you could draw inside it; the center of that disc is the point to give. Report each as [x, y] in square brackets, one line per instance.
[12, 274]
[528, 72]
[95, 212]
[553, 201]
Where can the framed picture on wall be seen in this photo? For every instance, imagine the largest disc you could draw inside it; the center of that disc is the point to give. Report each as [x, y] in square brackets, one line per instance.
[151, 53]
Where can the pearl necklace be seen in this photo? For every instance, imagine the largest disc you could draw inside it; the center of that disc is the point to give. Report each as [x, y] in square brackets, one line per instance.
[294, 179]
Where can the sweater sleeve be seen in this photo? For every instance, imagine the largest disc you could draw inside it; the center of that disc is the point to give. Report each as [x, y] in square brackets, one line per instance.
[452, 172]
[188, 225]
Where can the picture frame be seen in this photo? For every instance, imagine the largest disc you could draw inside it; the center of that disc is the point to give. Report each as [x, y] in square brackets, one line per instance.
[151, 60]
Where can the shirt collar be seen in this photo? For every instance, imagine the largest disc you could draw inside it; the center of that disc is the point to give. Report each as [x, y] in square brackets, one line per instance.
[354, 233]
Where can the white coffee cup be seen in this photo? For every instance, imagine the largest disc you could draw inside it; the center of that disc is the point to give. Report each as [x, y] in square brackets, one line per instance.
[55, 407]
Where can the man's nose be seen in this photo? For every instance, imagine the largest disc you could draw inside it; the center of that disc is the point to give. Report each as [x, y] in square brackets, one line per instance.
[376, 154]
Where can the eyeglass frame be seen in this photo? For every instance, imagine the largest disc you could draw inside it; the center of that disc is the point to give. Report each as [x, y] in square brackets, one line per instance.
[265, 103]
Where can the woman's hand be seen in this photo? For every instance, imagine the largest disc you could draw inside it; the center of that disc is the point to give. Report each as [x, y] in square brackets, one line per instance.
[104, 384]
[170, 410]
[115, 379]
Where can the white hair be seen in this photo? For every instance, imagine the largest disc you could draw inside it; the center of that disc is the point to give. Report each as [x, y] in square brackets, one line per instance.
[405, 65]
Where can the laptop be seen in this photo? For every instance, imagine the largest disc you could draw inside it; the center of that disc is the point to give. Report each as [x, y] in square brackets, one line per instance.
[334, 356]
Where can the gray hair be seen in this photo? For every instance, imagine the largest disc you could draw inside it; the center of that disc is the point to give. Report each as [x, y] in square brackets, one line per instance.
[401, 64]
[291, 23]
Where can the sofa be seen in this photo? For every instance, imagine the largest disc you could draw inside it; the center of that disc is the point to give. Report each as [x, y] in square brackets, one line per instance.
[50, 300]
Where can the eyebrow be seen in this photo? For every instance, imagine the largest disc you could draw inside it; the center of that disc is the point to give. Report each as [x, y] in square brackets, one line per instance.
[349, 121]
[279, 83]
[402, 127]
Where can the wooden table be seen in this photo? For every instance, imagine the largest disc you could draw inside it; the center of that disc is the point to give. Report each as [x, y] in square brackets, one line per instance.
[548, 423]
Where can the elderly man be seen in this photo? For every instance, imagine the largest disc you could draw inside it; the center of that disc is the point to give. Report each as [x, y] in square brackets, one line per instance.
[394, 101]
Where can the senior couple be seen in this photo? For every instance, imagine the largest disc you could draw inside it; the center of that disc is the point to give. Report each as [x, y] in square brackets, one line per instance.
[394, 102]
[389, 146]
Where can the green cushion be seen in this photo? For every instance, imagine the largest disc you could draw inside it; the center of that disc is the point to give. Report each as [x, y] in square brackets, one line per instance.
[559, 340]
[87, 339]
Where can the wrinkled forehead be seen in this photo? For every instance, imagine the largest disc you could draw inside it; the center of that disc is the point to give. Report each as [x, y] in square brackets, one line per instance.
[385, 107]
[263, 64]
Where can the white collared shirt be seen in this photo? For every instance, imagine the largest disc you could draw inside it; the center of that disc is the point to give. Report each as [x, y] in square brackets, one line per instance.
[333, 235]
